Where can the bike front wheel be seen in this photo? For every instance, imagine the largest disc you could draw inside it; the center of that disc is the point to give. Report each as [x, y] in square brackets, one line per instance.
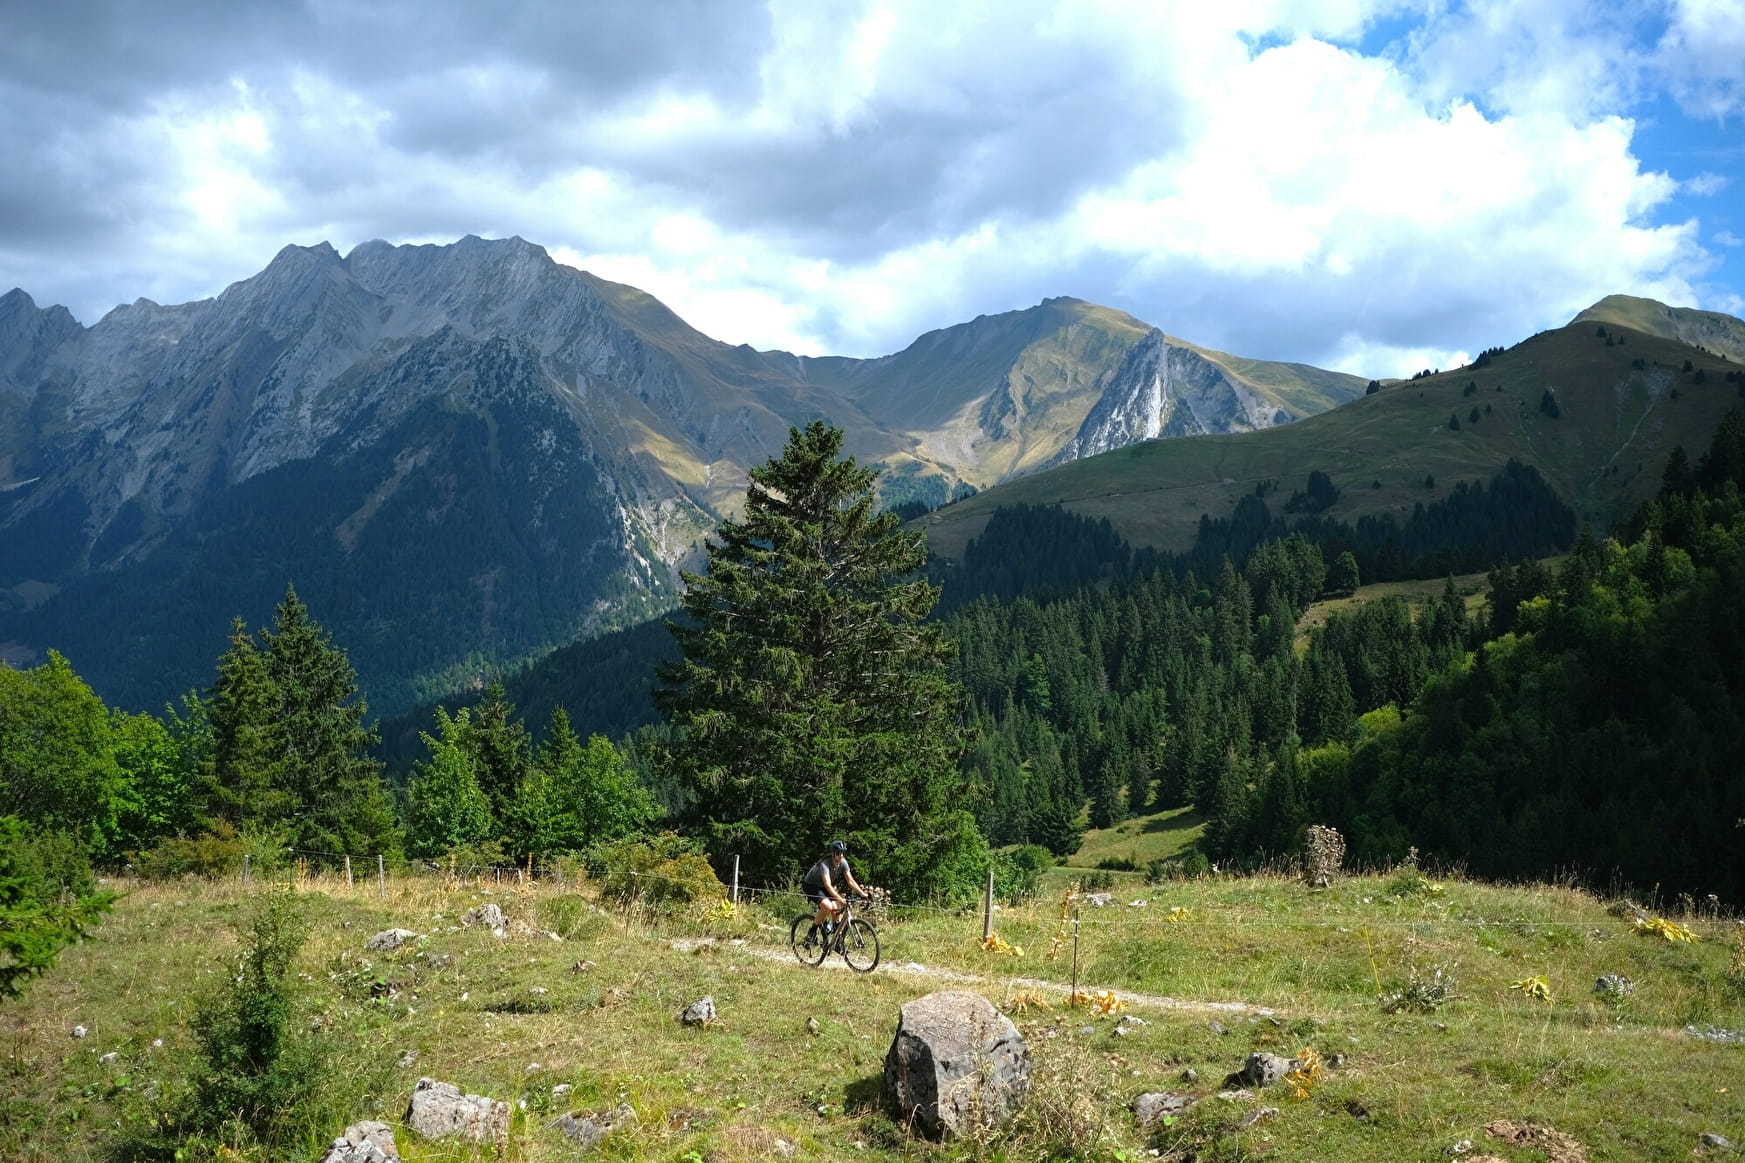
[860, 946]
[806, 940]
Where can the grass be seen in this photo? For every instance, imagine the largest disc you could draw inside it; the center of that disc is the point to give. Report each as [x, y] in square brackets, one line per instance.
[1142, 838]
[1603, 454]
[1622, 1079]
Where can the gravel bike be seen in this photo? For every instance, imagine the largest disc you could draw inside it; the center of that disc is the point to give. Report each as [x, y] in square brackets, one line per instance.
[856, 939]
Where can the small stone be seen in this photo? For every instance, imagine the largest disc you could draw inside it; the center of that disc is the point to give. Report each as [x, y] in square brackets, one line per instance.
[389, 939]
[157, 1043]
[1099, 900]
[1264, 1113]
[1149, 1108]
[812, 1026]
[534, 1068]
[1717, 1141]
[1336, 1061]
[1216, 1027]
[586, 1130]
[1190, 1075]
[108, 1058]
[439, 1110]
[561, 1089]
[1262, 1070]
[406, 1059]
[699, 1013]
[488, 915]
[79, 1031]
[581, 967]
[1459, 1148]
[538, 991]
[366, 1142]
[784, 1148]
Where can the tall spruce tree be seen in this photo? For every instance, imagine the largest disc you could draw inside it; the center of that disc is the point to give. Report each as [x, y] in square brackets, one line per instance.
[812, 701]
[291, 752]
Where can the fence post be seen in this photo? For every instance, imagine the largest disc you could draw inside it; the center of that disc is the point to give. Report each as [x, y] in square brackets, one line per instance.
[245, 870]
[735, 895]
[988, 907]
[382, 876]
[348, 871]
[1073, 997]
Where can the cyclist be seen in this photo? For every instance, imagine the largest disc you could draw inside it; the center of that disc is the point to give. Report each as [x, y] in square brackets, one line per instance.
[821, 886]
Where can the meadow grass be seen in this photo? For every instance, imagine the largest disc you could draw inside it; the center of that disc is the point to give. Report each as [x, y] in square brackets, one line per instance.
[1140, 839]
[513, 1016]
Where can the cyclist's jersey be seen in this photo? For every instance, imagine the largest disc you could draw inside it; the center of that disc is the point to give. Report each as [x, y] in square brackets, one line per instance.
[820, 875]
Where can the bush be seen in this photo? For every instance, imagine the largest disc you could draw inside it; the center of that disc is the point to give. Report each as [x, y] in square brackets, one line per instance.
[661, 874]
[1118, 864]
[48, 901]
[1100, 881]
[1016, 871]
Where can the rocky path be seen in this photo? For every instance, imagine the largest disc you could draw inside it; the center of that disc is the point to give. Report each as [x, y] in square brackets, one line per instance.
[784, 956]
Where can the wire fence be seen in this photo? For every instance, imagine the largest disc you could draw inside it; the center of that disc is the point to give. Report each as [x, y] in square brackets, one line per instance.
[1085, 907]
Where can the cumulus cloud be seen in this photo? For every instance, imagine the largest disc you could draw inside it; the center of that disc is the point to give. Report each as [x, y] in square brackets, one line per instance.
[1253, 175]
[1702, 55]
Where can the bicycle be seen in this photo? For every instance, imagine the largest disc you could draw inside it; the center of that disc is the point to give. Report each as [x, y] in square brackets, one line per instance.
[856, 939]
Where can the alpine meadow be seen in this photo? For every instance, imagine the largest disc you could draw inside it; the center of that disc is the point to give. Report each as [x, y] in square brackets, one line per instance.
[1023, 583]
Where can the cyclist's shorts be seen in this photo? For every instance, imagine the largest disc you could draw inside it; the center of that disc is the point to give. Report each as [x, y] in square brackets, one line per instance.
[817, 896]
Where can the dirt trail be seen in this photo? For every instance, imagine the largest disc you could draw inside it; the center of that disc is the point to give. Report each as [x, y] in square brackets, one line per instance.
[785, 956]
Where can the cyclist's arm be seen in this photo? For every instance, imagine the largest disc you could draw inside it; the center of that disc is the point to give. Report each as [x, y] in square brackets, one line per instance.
[848, 875]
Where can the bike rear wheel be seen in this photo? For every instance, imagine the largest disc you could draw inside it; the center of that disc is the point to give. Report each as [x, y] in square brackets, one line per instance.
[860, 946]
[806, 940]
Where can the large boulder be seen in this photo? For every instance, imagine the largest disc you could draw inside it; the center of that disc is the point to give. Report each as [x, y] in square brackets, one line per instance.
[955, 1063]
[440, 1111]
[366, 1142]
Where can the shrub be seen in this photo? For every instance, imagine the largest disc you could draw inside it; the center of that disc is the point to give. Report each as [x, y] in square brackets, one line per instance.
[259, 1070]
[47, 901]
[1423, 993]
[661, 874]
[1101, 880]
[1118, 864]
[1016, 871]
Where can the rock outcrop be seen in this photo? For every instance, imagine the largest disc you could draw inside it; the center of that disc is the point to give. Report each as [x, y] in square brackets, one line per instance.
[439, 1110]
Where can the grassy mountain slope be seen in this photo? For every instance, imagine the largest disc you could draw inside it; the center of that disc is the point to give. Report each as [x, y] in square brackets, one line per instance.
[1603, 453]
[512, 1017]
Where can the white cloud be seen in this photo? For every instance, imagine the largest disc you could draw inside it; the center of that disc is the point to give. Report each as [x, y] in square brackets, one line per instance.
[1702, 56]
[1237, 173]
[1706, 185]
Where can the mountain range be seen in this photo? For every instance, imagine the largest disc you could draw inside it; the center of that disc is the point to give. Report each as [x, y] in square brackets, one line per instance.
[462, 455]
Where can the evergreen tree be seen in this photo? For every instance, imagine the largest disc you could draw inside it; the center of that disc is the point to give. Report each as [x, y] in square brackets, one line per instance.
[47, 901]
[502, 751]
[812, 700]
[290, 750]
[1344, 577]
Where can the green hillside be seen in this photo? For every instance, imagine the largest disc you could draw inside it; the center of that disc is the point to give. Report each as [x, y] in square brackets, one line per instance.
[1623, 400]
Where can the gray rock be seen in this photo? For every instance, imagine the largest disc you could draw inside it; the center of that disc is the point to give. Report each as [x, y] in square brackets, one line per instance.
[367, 1142]
[1099, 900]
[1262, 1070]
[1718, 1142]
[1189, 1074]
[406, 1059]
[440, 1111]
[955, 1063]
[1155, 1105]
[1265, 1112]
[487, 914]
[390, 939]
[108, 1058]
[587, 1130]
[1613, 986]
[1216, 1027]
[700, 1012]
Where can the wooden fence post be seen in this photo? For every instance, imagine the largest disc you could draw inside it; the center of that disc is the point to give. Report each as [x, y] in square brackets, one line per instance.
[381, 876]
[348, 871]
[245, 870]
[734, 897]
[988, 908]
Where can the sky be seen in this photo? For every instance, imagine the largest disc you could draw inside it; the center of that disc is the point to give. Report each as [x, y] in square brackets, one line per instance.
[1370, 185]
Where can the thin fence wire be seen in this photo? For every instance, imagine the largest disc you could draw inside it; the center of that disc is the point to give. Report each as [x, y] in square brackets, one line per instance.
[1154, 920]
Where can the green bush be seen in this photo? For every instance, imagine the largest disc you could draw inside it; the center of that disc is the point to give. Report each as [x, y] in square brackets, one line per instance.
[661, 874]
[216, 852]
[48, 900]
[1017, 869]
[1118, 864]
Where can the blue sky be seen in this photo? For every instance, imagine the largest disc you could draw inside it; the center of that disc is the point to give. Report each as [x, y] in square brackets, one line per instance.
[1374, 185]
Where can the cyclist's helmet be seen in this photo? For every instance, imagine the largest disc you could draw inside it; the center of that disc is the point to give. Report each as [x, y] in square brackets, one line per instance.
[839, 846]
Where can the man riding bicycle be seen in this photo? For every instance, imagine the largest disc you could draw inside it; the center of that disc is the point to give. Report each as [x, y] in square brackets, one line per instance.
[820, 882]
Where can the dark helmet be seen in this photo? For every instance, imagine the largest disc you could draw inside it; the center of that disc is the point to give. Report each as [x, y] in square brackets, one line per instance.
[840, 847]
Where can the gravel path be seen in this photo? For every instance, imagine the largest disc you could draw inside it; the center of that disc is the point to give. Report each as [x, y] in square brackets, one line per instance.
[785, 956]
